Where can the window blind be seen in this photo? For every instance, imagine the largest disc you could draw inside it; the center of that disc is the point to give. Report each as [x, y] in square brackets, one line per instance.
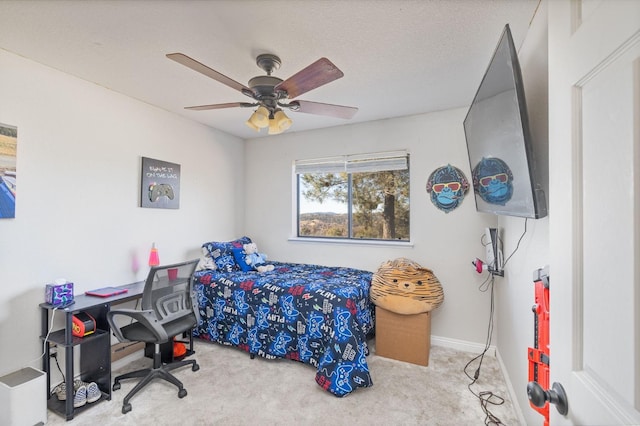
[382, 161]
[320, 165]
[356, 163]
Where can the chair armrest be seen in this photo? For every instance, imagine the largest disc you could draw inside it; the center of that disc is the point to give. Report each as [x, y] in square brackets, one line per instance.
[147, 318]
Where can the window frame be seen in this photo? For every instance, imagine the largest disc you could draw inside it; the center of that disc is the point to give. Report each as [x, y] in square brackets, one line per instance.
[349, 164]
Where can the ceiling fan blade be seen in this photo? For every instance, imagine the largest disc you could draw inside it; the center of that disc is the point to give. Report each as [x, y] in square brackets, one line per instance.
[203, 69]
[221, 106]
[318, 108]
[317, 74]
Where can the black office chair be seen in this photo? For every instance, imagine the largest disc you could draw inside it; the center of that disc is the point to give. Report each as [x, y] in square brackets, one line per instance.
[169, 308]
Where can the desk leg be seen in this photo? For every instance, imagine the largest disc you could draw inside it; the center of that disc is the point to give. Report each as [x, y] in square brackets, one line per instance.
[46, 361]
[68, 362]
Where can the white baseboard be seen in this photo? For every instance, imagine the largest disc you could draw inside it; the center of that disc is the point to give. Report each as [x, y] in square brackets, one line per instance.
[512, 393]
[477, 348]
[461, 345]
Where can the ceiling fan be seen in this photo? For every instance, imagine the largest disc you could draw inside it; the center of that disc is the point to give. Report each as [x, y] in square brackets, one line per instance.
[272, 94]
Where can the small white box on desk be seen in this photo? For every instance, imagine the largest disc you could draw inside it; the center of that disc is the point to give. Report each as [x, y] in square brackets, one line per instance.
[23, 397]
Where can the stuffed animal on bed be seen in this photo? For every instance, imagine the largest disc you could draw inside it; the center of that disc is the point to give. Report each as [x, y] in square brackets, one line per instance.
[250, 258]
[405, 287]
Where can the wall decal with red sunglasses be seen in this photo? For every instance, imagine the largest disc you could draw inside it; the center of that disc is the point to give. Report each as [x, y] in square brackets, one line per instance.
[447, 186]
[492, 181]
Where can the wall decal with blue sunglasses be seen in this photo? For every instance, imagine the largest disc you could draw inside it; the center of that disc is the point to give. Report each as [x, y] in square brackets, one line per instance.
[447, 186]
[492, 181]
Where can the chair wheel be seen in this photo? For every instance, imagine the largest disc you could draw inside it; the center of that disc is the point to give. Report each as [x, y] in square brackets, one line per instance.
[116, 386]
[182, 393]
[126, 408]
[195, 367]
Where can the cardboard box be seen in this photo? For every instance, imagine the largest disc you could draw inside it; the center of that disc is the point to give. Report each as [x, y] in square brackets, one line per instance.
[403, 337]
[120, 350]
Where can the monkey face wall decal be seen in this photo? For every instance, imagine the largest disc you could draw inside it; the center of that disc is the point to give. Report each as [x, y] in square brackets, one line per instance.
[493, 181]
[447, 186]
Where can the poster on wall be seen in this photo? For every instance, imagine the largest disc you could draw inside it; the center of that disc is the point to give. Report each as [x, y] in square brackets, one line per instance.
[447, 186]
[160, 186]
[8, 176]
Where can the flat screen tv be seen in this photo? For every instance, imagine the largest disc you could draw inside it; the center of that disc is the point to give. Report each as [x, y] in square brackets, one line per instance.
[499, 141]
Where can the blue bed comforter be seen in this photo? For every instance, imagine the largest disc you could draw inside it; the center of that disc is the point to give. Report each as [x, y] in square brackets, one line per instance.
[314, 314]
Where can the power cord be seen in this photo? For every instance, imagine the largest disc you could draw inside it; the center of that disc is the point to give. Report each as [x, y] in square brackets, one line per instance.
[46, 338]
[486, 398]
[484, 285]
[46, 342]
[517, 245]
[55, 356]
[484, 244]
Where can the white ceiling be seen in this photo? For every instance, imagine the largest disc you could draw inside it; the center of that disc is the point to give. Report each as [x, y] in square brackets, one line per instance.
[399, 57]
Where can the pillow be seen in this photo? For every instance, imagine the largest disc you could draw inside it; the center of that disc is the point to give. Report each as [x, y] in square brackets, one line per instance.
[238, 254]
[206, 261]
[222, 253]
[225, 263]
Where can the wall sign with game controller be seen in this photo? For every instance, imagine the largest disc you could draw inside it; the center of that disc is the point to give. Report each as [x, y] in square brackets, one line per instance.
[157, 190]
[160, 184]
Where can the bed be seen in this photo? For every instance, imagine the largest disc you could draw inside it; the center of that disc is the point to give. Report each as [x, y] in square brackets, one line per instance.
[314, 314]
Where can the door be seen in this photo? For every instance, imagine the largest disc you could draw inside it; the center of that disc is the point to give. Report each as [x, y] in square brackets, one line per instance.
[594, 220]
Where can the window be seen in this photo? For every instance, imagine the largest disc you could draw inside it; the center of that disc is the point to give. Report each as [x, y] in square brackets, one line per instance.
[364, 197]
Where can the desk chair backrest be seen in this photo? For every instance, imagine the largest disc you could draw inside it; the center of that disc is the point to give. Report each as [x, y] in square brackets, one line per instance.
[169, 308]
[169, 292]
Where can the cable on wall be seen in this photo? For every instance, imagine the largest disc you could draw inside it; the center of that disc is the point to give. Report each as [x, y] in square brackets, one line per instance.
[517, 245]
[486, 398]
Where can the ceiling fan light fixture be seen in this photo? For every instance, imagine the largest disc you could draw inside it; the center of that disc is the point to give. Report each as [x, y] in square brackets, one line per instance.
[274, 128]
[282, 121]
[252, 126]
[267, 91]
[260, 118]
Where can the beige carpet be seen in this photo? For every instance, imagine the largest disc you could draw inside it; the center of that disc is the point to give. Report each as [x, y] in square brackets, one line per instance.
[232, 389]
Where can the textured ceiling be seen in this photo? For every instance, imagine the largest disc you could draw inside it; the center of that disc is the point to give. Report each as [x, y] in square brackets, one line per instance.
[398, 57]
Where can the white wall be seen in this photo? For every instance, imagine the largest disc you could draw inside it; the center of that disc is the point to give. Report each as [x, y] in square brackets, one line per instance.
[77, 214]
[446, 243]
[515, 292]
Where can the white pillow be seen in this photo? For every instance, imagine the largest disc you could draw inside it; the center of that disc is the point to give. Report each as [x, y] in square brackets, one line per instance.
[206, 261]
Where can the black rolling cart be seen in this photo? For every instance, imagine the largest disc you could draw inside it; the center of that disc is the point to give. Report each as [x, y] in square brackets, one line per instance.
[93, 350]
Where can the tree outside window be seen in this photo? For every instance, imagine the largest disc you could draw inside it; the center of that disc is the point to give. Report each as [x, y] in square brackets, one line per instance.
[368, 200]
